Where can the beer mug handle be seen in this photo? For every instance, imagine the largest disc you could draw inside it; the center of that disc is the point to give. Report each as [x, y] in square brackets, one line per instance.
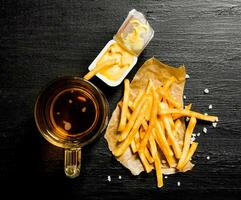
[72, 162]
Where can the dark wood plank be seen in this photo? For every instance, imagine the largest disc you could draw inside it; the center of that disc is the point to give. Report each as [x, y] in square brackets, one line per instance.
[42, 40]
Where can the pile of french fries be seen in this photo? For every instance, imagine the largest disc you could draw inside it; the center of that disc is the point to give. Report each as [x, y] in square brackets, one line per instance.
[150, 126]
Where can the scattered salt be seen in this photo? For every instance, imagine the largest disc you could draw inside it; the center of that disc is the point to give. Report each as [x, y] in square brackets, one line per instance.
[206, 91]
[198, 134]
[184, 97]
[208, 157]
[178, 183]
[205, 130]
[187, 119]
[187, 76]
[119, 177]
[109, 178]
[194, 134]
[70, 101]
[210, 107]
[214, 124]
[165, 177]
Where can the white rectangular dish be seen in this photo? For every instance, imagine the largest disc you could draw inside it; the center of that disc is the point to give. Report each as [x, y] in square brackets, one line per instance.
[103, 78]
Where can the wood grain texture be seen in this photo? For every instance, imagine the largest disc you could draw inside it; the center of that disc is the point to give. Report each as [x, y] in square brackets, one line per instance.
[42, 39]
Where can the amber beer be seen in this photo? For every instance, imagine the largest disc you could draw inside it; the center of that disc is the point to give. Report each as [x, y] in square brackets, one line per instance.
[70, 113]
[73, 112]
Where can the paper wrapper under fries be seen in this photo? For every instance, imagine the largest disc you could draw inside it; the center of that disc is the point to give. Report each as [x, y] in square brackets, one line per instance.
[160, 86]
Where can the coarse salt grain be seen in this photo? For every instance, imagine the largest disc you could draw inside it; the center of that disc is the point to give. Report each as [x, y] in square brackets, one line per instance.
[194, 134]
[198, 134]
[109, 178]
[187, 119]
[214, 124]
[178, 183]
[208, 157]
[187, 76]
[206, 91]
[205, 130]
[165, 177]
[119, 177]
[184, 97]
[210, 107]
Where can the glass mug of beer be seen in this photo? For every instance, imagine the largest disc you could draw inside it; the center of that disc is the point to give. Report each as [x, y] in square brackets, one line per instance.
[71, 112]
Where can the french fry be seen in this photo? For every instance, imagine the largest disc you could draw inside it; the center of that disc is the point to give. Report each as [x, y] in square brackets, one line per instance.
[145, 163]
[137, 138]
[186, 144]
[177, 126]
[148, 155]
[160, 139]
[176, 116]
[149, 109]
[159, 176]
[175, 146]
[132, 120]
[137, 100]
[153, 119]
[189, 113]
[133, 146]
[190, 153]
[169, 98]
[144, 124]
[146, 151]
[124, 107]
[105, 65]
[152, 144]
[123, 146]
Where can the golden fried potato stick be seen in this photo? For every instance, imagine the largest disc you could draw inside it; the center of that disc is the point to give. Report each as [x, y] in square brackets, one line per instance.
[149, 109]
[149, 86]
[152, 122]
[159, 136]
[189, 113]
[133, 146]
[145, 163]
[167, 125]
[169, 98]
[176, 116]
[137, 100]
[177, 126]
[187, 141]
[104, 65]
[158, 167]
[146, 151]
[123, 146]
[137, 138]
[190, 153]
[132, 119]
[144, 125]
[148, 156]
[152, 144]
[124, 107]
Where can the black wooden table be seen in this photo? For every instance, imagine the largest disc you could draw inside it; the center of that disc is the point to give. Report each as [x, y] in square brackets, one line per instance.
[42, 40]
